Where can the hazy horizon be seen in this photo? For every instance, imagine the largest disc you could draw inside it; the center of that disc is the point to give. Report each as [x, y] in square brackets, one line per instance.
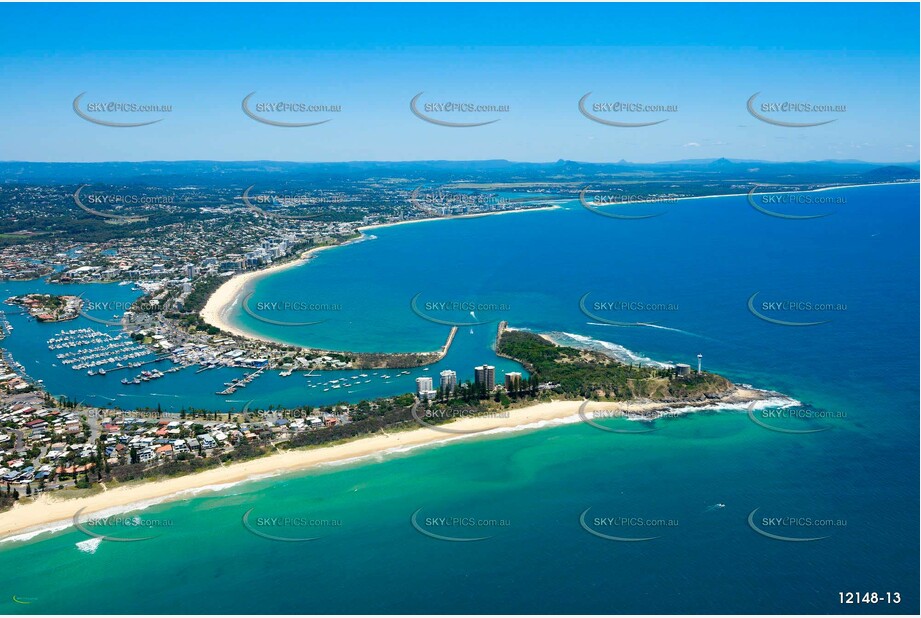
[704, 161]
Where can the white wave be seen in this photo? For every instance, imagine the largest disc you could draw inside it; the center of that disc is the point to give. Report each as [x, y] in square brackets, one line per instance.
[355, 241]
[135, 506]
[771, 400]
[399, 450]
[31, 534]
[614, 350]
[651, 325]
[89, 546]
[222, 486]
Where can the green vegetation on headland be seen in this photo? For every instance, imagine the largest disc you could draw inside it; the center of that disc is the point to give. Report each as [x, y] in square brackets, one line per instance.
[585, 373]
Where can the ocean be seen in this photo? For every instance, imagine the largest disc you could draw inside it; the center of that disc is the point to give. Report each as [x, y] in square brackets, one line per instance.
[707, 490]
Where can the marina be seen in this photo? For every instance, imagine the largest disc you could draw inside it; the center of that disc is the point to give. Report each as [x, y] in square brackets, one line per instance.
[98, 352]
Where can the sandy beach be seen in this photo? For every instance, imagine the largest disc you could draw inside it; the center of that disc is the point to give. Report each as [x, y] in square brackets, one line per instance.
[366, 228]
[52, 512]
[834, 188]
[231, 292]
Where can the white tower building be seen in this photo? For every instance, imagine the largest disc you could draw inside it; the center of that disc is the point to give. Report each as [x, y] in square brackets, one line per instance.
[448, 380]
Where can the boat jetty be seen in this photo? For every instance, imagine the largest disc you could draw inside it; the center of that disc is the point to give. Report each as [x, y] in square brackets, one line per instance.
[236, 383]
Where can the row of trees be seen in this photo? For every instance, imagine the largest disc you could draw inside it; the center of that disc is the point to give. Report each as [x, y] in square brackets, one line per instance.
[471, 392]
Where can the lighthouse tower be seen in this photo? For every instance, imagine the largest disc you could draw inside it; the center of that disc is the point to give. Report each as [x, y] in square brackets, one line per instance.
[699, 359]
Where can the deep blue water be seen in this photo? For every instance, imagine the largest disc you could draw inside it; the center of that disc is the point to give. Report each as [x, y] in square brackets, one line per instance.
[705, 256]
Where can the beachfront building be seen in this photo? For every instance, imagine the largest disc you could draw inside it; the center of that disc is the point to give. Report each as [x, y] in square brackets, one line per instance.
[485, 375]
[448, 381]
[424, 388]
[423, 384]
[513, 381]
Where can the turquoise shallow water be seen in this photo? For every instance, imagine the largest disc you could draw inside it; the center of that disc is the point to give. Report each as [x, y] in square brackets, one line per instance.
[705, 256]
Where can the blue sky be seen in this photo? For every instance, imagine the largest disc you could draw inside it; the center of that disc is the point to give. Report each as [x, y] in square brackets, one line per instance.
[539, 60]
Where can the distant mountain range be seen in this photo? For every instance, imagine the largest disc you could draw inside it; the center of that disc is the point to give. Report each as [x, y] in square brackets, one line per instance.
[484, 170]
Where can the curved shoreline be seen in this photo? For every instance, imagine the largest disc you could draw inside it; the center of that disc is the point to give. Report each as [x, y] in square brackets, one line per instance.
[50, 513]
[229, 293]
[820, 189]
[222, 300]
